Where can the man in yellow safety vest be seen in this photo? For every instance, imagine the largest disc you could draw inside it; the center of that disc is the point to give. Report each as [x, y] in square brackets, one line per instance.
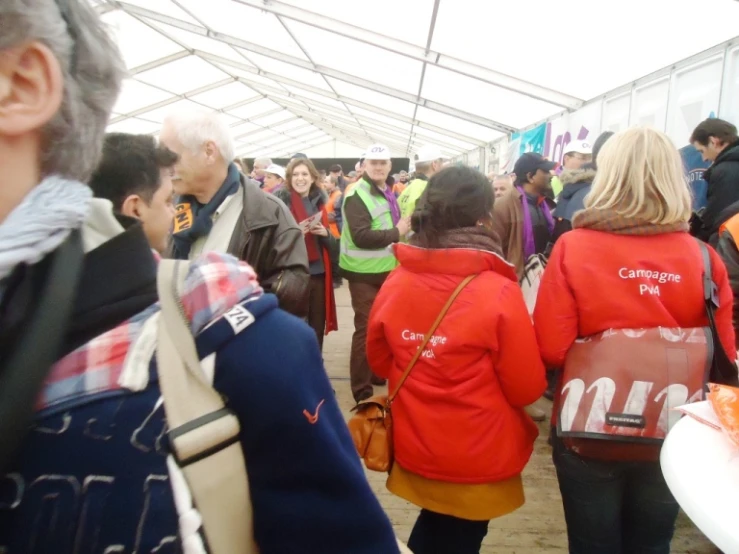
[430, 161]
[372, 223]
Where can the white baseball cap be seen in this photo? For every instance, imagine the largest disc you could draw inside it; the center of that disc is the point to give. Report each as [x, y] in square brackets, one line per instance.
[378, 152]
[275, 169]
[430, 153]
[579, 147]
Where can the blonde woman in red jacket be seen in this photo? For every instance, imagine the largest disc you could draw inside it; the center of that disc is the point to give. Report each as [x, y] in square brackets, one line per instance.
[629, 263]
[461, 435]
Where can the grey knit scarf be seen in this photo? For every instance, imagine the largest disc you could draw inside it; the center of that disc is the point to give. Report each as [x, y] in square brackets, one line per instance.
[42, 221]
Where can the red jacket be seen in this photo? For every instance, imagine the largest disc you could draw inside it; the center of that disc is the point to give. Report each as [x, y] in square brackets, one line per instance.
[596, 281]
[459, 417]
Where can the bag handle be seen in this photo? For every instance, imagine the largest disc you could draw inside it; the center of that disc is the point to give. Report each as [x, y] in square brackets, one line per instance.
[203, 432]
[723, 370]
[428, 336]
[39, 346]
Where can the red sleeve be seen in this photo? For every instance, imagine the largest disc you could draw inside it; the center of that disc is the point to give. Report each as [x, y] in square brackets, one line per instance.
[379, 354]
[519, 368]
[555, 314]
[724, 323]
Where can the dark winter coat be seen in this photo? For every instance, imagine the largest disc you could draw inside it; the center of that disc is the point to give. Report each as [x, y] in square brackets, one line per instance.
[577, 184]
[723, 191]
[728, 240]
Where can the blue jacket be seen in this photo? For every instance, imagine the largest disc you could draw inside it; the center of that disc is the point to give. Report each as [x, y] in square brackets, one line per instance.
[92, 474]
[576, 185]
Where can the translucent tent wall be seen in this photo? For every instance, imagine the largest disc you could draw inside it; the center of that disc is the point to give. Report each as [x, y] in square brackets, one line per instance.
[329, 77]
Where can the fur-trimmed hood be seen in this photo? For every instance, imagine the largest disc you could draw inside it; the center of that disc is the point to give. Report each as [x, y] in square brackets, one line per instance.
[572, 176]
[576, 185]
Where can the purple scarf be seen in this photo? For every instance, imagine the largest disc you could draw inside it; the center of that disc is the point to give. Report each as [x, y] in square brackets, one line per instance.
[394, 207]
[529, 248]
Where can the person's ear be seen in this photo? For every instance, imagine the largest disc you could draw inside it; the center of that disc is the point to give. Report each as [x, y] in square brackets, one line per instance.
[210, 151]
[133, 206]
[31, 88]
[486, 221]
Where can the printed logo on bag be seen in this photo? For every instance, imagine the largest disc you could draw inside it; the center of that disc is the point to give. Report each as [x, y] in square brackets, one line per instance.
[626, 420]
[239, 318]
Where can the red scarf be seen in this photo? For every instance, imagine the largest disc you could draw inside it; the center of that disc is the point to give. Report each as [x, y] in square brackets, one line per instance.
[300, 214]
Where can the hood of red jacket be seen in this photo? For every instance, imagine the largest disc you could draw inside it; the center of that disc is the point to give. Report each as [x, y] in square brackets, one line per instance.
[452, 261]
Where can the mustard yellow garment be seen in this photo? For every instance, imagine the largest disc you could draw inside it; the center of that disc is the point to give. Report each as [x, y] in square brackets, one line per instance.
[478, 502]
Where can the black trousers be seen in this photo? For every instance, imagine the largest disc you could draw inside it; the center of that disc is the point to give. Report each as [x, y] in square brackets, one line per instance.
[441, 534]
[614, 507]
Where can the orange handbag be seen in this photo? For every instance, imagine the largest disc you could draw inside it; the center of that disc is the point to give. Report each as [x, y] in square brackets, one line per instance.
[371, 427]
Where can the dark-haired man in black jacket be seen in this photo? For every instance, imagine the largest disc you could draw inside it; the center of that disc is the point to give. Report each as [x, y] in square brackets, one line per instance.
[135, 174]
[718, 142]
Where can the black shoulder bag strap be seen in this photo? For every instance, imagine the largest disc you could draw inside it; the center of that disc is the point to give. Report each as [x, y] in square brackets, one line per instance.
[723, 370]
[38, 349]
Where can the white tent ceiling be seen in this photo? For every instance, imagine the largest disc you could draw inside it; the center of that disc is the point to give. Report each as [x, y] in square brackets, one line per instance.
[291, 75]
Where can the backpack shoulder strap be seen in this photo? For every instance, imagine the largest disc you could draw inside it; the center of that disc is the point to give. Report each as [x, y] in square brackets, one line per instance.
[203, 432]
[30, 360]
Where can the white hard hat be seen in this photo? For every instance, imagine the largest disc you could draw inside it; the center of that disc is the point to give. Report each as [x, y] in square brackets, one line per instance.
[430, 153]
[579, 147]
[275, 169]
[378, 152]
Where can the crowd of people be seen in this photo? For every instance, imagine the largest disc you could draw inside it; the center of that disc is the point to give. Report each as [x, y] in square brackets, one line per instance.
[86, 217]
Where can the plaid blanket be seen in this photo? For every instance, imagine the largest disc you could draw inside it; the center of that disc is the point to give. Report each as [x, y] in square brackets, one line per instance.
[119, 359]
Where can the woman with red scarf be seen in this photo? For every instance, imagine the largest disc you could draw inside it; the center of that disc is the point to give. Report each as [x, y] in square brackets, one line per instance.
[307, 202]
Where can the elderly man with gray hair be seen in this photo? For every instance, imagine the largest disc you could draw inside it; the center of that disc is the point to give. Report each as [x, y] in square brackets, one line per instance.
[220, 210]
[260, 168]
[87, 462]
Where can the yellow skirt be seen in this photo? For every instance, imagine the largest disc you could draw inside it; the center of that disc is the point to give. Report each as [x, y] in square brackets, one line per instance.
[478, 502]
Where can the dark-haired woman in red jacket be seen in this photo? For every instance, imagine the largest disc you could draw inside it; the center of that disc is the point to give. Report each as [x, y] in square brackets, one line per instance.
[461, 435]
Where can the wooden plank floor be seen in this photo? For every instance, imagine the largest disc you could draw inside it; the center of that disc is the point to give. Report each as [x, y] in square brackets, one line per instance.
[538, 527]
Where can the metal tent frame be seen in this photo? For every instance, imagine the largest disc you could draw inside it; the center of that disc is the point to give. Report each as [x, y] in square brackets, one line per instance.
[288, 82]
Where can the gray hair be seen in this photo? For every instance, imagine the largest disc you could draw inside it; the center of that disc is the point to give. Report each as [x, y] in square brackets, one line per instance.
[196, 127]
[266, 162]
[423, 167]
[92, 69]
